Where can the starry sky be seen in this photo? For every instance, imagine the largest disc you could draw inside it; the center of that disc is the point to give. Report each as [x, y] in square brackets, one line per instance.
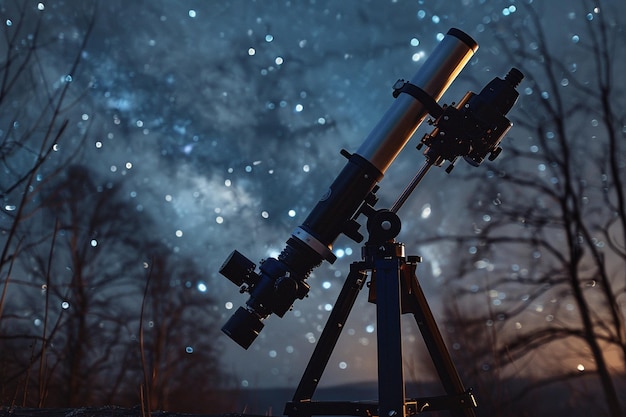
[225, 121]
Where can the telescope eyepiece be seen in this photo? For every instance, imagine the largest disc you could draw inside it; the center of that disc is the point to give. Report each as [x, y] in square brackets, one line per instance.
[239, 270]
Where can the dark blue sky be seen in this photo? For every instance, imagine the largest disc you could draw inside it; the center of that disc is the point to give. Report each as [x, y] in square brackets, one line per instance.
[232, 117]
[225, 121]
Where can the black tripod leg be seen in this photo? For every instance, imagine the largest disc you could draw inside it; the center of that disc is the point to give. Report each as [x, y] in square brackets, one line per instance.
[328, 339]
[436, 346]
[391, 392]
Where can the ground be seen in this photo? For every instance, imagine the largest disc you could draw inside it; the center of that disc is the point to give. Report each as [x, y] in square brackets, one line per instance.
[99, 412]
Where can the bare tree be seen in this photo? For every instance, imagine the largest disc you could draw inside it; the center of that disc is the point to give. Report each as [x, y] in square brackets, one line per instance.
[83, 291]
[543, 278]
[38, 92]
[34, 106]
[74, 303]
[180, 356]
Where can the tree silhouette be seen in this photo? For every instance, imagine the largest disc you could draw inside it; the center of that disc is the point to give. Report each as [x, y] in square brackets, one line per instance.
[36, 102]
[33, 111]
[82, 292]
[72, 246]
[180, 356]
[77, 286]
[548, 251]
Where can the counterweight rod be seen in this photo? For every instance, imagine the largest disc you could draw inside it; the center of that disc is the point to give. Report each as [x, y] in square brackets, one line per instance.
[409, 188]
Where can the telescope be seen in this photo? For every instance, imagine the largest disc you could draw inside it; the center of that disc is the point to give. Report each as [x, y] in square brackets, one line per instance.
[472, 129]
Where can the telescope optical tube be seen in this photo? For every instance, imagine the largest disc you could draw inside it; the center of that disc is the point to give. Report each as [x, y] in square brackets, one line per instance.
[281, 281]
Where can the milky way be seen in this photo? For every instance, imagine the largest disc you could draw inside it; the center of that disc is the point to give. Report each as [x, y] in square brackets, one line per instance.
[225, 121]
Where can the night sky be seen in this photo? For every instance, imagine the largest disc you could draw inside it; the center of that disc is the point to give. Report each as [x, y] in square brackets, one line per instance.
[224, 121]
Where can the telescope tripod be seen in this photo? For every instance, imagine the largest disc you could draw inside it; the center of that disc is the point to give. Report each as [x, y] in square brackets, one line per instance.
[395, 290]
